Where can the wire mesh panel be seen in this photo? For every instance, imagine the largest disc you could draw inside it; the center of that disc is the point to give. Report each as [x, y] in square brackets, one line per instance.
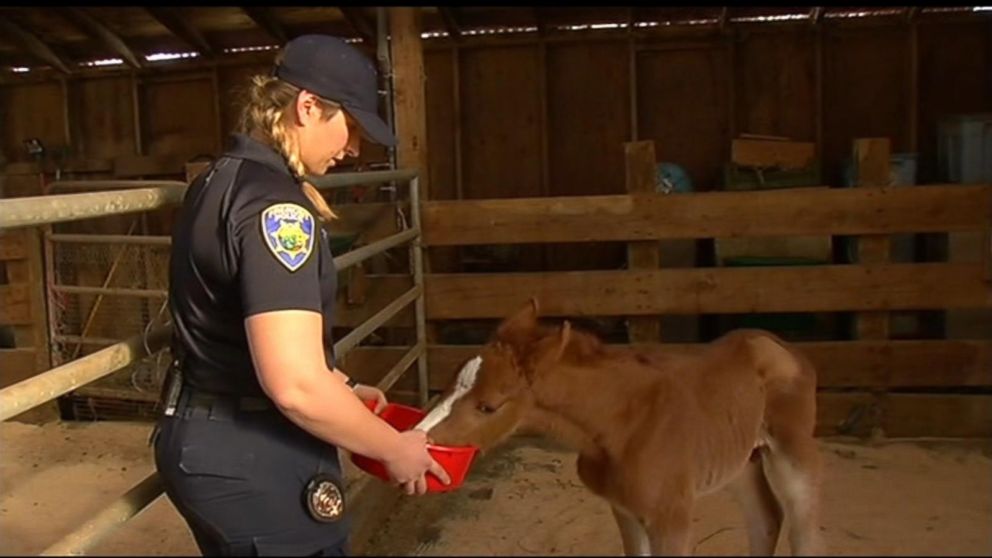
[105, 289]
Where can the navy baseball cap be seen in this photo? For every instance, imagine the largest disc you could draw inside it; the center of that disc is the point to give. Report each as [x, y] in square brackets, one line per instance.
[331, 68]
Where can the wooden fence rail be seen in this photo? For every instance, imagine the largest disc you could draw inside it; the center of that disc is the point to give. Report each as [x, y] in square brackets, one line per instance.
[787, 212]
[897, 385]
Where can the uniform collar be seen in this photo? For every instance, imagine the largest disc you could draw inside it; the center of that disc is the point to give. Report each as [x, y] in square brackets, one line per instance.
[245, 147]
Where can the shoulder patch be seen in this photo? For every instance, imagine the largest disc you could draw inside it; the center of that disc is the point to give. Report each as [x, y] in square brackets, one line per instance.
[288, 230]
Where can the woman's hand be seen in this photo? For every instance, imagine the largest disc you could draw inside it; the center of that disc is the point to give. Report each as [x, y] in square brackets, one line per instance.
[372, 393]
[410, 463]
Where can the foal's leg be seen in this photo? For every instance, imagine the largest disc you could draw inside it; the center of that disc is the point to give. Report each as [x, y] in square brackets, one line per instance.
[670, 530]
[792, 467]
[635, 539]
[762, 513]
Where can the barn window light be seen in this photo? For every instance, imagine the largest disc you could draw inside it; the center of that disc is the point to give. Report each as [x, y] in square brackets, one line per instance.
[234, 50]
[433, 34]
[170, 56]
[646, 24]
[950, 10]
[779, 17]
[103, 62]
[698, 22]
[20, 69]
[862, 13]
[498, 30]
[587, 26]
[982, 9]
[608, 26]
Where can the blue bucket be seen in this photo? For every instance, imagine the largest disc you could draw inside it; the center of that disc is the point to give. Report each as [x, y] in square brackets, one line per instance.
[902, 170]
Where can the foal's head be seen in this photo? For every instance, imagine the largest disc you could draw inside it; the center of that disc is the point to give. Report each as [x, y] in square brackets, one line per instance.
[492, 397]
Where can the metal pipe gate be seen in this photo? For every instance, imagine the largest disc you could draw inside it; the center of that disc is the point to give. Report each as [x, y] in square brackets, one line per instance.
[136, 196]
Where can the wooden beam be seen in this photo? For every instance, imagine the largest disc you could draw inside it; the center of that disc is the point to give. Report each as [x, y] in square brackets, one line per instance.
[409, 94]
[632, 85]
[177, 22]
[13, 245]
[451, 23]
[410, 106]
[31, 272]
[914, 85]
[793, 211]
[962, 416]
[839, 364]
[31, 44]
[456, 95]
[97, 30]
[15, 304]
[266, 20]
[770, 153]
[17, 365]
[640, 161]
[360, 23]
[816, 15]
[818, 88]
[826, 288]
[848, 414]
[872, 162]
[904, 415]
[724, 12]
[130, 166]
[539, 21]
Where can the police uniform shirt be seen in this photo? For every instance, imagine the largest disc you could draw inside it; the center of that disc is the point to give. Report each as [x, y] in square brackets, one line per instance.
[247, 241]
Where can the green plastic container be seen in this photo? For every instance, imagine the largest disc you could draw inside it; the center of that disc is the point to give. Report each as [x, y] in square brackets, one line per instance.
[736, 178]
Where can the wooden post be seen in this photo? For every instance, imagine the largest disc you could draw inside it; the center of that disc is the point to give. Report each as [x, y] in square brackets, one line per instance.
[640, 179]
[632, 84]
[30, 272]
[408, 92]
[219, 132]
[410, 118]
[542, 130]
[456, 95]
[914, 87]
[410, 107]
[139, 147]
[818, 88]
[871, 156]
[730, 36]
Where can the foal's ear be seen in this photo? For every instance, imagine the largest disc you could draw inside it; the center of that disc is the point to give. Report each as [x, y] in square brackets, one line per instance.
[520, 328]
[563, 338]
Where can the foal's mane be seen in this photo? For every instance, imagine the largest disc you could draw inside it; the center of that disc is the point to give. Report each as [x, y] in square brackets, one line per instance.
[582, 345]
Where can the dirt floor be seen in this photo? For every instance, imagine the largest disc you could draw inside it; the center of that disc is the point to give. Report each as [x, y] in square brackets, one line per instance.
[896, 498]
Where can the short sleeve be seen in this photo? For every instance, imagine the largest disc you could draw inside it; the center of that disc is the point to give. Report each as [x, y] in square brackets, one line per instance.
[277, 246]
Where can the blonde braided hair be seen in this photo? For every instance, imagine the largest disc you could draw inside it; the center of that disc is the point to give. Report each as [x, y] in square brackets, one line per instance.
[266, 116]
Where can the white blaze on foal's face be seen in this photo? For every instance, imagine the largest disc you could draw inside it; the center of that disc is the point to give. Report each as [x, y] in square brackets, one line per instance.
[466, 380]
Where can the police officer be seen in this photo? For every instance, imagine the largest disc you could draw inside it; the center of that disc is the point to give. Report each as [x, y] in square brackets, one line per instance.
[255, 409]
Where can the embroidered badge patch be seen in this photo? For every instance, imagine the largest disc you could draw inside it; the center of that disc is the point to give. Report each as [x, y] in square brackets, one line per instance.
[288, 230]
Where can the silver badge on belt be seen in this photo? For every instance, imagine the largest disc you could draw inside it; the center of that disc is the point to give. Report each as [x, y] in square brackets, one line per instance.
[324, 499]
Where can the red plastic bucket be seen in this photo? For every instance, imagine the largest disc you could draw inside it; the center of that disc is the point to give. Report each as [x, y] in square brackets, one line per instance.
[455, 460]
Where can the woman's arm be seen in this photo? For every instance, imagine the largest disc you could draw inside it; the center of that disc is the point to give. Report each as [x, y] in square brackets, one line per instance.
[289, 358]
